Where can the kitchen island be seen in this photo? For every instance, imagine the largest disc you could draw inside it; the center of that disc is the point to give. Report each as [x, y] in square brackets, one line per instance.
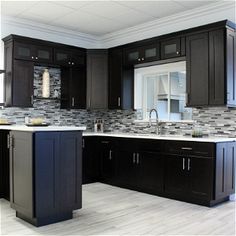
[45, 172]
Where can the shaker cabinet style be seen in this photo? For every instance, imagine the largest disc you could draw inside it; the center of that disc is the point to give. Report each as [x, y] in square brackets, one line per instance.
[97, 79]
[141, 54]
[210, 60]
[46, 175]
[66, 57]
[36, 53]
[4, 165]
[22, 54]
[171, 48]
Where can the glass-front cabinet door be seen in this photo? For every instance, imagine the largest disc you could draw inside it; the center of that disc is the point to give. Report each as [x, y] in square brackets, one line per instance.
[150, 53]
[170, 48]
[132, 56]
[62, 57]
[23, 51]
[43, 54]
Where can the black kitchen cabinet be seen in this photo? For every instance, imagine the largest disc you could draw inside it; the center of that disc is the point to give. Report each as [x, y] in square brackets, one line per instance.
[46, 175]
[97, 79]
[197, 60]
[4, 165]
[175, 176]
[141, 54]
[107, 153]
[151, 172]
[126, 168]
[91, 160]
[19, 84]
[36, 53]
[73, 87]
[66, 57]
[225, 169]
[115, 70]
[171, 48]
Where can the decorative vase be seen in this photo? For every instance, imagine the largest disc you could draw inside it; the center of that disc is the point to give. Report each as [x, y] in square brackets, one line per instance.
[46, 84]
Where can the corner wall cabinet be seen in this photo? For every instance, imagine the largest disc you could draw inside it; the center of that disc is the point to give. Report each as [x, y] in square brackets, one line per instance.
[197, 172]
[22, 54]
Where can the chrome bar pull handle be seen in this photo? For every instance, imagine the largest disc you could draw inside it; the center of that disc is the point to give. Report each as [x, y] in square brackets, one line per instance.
[72, 101]
[189, 164]
[183, 163]
[110, 154]
[137, 158]
[187, 148]
[118, 101]
[134, 155]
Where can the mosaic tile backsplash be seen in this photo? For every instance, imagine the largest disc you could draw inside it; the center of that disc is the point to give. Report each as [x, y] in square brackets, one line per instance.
[219, 121]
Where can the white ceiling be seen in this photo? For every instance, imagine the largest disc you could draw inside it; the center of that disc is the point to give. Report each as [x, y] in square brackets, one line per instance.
[96, 17]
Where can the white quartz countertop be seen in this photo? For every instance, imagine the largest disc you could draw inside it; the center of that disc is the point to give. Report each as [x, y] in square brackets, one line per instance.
[162, 137]
[42, 128]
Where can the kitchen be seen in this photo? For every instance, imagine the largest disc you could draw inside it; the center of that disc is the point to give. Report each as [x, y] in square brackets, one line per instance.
[162, 107]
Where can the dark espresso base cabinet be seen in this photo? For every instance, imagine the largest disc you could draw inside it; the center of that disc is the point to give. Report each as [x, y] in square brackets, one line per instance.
[195, 172]
[4, 165]
[46, 175]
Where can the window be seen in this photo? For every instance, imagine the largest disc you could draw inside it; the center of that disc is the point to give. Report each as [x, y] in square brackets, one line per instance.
[162, 87]
[1, 75]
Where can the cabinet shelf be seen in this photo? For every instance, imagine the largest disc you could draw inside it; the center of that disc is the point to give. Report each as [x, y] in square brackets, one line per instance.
[50, 98]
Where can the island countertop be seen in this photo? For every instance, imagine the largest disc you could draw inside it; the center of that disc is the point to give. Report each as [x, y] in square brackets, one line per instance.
[42, 128]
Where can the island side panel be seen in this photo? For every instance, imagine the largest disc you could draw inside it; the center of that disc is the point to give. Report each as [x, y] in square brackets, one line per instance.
[21, 172]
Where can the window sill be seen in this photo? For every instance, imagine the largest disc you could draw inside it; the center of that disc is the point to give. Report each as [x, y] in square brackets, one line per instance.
[165, 121]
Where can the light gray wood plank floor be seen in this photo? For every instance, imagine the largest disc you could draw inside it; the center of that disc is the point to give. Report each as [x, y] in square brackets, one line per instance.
[109, 210]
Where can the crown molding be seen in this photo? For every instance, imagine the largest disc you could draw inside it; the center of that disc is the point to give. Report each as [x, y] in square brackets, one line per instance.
[180, 21]
[191, 18]
[76, 38]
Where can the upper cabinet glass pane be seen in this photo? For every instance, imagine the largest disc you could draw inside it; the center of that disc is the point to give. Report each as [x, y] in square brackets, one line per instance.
[133, 56]
[151, 52]
[170, 49]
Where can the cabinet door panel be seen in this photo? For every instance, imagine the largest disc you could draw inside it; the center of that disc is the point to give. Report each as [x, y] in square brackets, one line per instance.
[175, 176]
[197, 69]
[77, 58]
[230, 168]
[43, 54]
[126, 169]
[70, 170]
[150, 53]
[170, 48]
[217, 95]
[21, 173]
[151, 175]
[62, 57]
[115, 78]
[78, 88]
[23, 83]
[231, 68]
[201, 177]
[23, 51]
[47, 173]
[132, 56]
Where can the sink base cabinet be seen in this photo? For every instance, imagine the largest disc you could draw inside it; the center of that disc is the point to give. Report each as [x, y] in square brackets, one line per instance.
[46, 175]
[196, 172]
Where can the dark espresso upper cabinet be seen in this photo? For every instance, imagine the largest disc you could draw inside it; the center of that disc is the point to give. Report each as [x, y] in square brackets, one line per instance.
[197, 62]
[210, 60]
[66, 57]
[36, 53]
[141, 54]
[171, 48]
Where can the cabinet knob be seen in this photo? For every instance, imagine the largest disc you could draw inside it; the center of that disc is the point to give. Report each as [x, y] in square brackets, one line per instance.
[32, 57]
[36, 58]
[69, 62]
[177, 52]
[142, 59]
[72, 63]
[139, 59]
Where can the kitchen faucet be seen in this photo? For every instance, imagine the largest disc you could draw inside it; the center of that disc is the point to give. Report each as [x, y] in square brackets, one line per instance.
[157, 120]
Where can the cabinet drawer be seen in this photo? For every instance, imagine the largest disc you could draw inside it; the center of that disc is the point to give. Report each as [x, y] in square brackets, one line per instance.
[191, 148]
